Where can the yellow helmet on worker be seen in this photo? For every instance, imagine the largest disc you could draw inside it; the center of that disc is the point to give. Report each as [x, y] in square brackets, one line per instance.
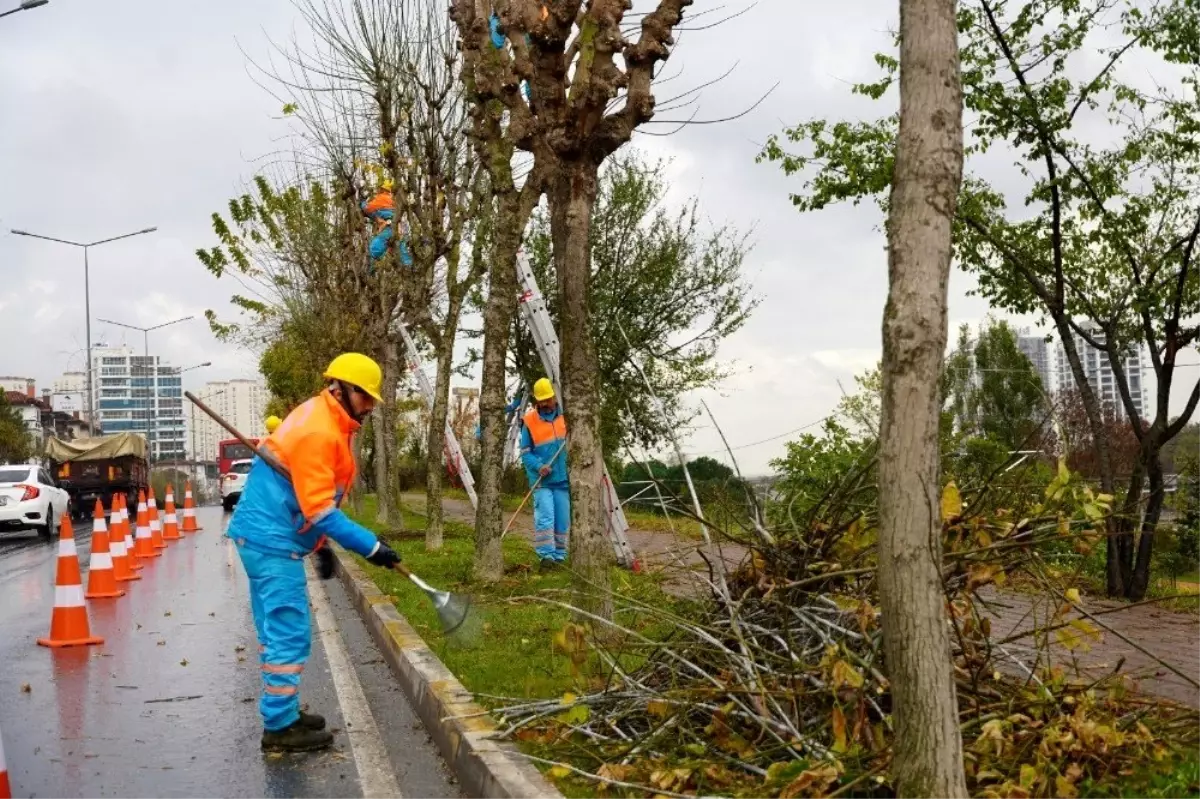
[357, 370]
[543, 390]
[272, 422]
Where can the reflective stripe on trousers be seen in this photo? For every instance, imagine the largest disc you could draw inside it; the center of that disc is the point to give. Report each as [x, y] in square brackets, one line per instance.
[279, 601]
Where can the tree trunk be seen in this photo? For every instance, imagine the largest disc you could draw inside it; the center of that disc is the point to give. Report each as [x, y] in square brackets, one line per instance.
[1139, 581]
[379, 423]
[497, 320]
[392, 368]
[385, 437]
[435, 443]
[572, 197]
[928, 758]
[1114, 573]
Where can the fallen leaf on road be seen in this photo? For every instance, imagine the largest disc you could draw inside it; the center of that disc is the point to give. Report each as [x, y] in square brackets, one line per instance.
[139, 626]
[239, 648]
[241, 658]
[214, 615]
[162, 643]
[26, 688]
[274, 755]
[168, 613]
[183, 662]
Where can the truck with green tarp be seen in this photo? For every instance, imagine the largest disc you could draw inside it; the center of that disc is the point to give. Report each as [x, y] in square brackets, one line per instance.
[100, 467]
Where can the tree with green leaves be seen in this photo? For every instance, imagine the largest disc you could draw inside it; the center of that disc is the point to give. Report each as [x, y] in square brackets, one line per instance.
[1101, 237]
[665, 290]
[15, 446]
[991, 389]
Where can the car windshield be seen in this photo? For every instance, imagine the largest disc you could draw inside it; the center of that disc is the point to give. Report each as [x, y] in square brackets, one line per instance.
[13, 474]
[240, 468]
[238, 451]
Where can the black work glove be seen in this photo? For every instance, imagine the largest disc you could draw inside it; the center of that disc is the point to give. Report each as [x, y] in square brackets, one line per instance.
[324, 562]
[383, 556]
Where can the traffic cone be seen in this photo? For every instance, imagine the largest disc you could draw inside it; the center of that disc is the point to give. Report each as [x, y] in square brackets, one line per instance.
[127, 531]
[156, 536]
[69, 622]
[143, 543]
[121, 555]
[170, 522]
[189, 511]
[5, 788]
[102, 578]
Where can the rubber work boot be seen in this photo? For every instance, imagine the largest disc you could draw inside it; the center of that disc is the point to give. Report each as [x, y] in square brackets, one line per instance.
[312, 721]
[296, 738]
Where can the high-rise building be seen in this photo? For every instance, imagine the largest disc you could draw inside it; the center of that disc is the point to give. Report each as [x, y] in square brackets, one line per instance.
[70, 383]
[1099, 371]
[139, 394]
[1038, 352]
[242, 403]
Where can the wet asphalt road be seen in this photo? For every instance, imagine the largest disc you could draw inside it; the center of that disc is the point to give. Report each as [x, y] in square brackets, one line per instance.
[167, 706]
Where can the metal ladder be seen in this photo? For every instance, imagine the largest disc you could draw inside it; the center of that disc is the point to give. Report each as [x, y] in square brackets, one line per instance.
[534, 311]
[453, 453]
[513, 436]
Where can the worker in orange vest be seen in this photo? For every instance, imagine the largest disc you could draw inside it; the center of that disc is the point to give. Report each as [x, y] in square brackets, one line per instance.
[278, 522]
[544, 455]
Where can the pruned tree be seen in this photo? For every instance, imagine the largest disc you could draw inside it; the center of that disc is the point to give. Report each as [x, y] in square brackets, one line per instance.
[1105, 243]
[927, 758]
[15, 446]
[582, 106]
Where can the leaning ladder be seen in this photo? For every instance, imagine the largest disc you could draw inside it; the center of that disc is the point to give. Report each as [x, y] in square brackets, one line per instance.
[454, 453]
[537, 317]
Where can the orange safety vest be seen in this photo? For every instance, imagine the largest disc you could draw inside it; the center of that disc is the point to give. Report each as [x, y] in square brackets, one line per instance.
[314, 444]
[541, 431]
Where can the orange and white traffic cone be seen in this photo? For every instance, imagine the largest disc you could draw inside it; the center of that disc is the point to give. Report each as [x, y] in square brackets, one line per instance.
[156, 536]
[69, 621]
[127, 531]
[5, 788]
[170, 522]
[121, 545]
[189, 511]
[102, 579]
[143, 542]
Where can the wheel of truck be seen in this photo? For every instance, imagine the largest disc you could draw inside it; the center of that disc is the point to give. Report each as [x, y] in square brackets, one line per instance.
[47, 530]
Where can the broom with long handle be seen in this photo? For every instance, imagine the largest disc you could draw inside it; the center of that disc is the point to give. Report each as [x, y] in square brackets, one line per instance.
[452, 609]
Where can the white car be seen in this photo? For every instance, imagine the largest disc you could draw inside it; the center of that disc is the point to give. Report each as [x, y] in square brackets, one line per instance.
[29, 498]
[232, 483]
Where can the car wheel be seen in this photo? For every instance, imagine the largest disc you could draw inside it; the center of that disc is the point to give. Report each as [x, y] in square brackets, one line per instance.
[47, 529]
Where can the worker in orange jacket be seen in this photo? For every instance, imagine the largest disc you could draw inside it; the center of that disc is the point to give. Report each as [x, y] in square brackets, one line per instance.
[278, 522]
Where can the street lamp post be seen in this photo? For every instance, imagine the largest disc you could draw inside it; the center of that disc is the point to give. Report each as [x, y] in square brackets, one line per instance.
[87, 293]
[193, 425]
[152, 404]
[25, 5]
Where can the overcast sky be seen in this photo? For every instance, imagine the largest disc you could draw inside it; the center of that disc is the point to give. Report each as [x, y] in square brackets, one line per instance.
[117, 115]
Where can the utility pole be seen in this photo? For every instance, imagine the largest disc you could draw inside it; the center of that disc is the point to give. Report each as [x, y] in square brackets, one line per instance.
[87, 293]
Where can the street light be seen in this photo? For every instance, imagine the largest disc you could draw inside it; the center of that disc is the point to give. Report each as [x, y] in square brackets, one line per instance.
[25, 5]
[87, 294]
[145, 331]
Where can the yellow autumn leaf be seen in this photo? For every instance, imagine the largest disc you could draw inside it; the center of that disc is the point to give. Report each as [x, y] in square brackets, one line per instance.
[568, 698]
[839, 730]
[559, 772]
[1073, 595]
[845, 674]
[952, 505]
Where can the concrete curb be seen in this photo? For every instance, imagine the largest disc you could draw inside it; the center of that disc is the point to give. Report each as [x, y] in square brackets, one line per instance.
[484, 767]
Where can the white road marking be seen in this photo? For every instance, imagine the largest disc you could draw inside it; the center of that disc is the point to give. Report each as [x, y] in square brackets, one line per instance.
[370, 756]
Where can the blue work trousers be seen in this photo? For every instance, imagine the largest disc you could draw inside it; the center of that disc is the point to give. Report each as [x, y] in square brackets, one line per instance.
[551, 522]
[279, 601]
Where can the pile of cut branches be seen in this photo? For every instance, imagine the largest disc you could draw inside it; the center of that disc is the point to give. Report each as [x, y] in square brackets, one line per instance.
[777, 687]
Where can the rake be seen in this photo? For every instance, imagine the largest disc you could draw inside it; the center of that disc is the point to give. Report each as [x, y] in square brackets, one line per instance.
[452, 609]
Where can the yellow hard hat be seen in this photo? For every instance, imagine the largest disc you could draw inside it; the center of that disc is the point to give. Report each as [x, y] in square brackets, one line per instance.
[543, 389]
[357, 370]
[273, 422]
